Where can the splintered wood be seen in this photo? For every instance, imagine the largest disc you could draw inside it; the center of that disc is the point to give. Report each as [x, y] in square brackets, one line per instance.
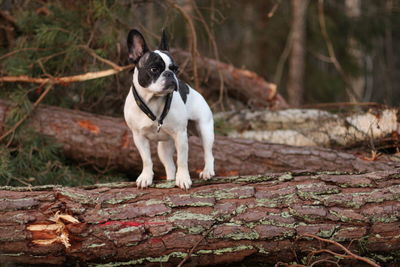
[46, 233]
[310, 127]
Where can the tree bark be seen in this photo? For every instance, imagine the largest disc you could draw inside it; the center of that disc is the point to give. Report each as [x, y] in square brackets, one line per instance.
[107, 142]
[244, 85]
[253, 218]
[311, 127]
[296, 60]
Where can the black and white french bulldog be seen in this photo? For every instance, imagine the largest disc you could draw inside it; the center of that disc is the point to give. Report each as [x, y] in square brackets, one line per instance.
[158, 107]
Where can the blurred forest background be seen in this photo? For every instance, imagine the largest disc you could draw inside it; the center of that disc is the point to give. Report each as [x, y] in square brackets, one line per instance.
[314, 51]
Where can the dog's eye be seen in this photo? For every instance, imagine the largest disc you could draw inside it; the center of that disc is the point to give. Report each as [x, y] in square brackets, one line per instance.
[154, 70]
[174, 68]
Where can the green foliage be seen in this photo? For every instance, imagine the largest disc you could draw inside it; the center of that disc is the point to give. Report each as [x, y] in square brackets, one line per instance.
[49, 42]
[27, 158]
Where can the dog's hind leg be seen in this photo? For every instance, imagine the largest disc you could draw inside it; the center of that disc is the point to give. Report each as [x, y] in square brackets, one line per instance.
[205, 128]
[166, 151]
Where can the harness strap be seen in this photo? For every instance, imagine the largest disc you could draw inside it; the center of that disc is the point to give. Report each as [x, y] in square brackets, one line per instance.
[146, 110]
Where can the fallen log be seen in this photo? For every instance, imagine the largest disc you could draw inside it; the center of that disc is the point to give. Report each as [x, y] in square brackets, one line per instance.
[107, 143]
[260, 218]
[311, 127]
[241, 84]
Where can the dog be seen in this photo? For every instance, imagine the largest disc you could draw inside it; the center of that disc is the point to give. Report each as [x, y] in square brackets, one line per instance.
[158, 108]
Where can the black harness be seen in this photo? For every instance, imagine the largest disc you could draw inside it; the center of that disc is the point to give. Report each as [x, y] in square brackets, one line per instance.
[146, 110]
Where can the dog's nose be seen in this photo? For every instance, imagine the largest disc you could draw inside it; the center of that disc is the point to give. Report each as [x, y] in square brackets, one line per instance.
[168, 74]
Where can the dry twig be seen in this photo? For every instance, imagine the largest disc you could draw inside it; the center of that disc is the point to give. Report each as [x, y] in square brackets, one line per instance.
[193, 47]
[271, 13]
[283, 58]
[195, 246]
[348, 255]
[64, 80]
[331, 50]
[216, 55]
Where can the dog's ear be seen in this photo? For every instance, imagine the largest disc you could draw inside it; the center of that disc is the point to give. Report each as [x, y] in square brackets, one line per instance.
[136, 45]
[164, 41]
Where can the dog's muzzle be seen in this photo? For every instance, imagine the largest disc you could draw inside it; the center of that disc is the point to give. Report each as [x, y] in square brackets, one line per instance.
[170, 81]
[170, 86]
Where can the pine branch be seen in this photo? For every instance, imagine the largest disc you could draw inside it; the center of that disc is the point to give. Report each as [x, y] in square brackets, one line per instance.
[37, 102]
[106, 61]
[66, 79]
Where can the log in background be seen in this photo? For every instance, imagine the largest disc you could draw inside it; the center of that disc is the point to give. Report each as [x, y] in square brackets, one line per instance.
[107, 142]
[253, 218]
[241, 84]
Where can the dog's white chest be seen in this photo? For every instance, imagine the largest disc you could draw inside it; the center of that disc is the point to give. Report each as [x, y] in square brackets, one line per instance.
[141, 124]
[151, 133]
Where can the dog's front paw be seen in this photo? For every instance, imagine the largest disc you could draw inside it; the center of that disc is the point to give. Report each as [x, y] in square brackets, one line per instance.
[207, 174]
[183, 180]
[144, 180]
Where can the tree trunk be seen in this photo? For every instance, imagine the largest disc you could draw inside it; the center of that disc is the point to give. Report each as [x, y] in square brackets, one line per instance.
[296, 61]
[357, 83]
[253, 218]
[244, 85]
[107, 142]
[390, 58]
[311, 127]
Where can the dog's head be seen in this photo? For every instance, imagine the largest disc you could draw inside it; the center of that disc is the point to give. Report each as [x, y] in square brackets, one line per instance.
[156, 69]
